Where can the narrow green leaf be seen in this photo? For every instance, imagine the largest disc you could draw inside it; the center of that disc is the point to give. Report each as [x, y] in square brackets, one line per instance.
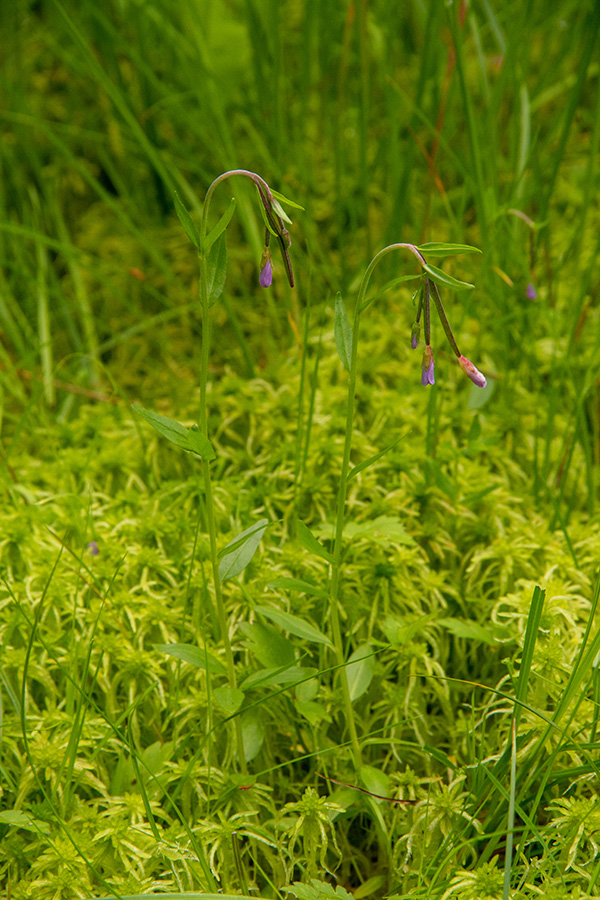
[216, 269]
[295, 584]
[169, 428]
[194, 655]
[360, 670]
[220, 227]
[445, 280]
[187, 222]
[243, 536]
[236, 561]
[310, 543]
[529, 642]
[373, 459]
[294, 625]
[435, 248]
[268, 225]
[200, 444]
[465, 629]
[343, 332]
[280, 210]
[190, 439]
[286, 200]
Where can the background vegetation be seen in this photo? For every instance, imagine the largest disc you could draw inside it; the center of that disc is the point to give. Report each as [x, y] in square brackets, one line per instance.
[469, 573]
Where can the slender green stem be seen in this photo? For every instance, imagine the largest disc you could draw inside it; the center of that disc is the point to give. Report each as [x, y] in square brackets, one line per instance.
[341, 502]
[208, 496]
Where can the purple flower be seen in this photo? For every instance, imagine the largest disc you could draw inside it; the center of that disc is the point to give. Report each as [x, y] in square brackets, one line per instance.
[531, 292]
[414, 337]
[93, 548]
[427, 376]
[266, 269]
[472, 371]
[266, 275]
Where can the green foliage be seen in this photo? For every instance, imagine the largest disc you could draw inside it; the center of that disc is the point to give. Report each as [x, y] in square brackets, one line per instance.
[468, 589]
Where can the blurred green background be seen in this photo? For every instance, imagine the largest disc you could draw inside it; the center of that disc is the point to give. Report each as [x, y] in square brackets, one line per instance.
[412, 121]
[416, 121]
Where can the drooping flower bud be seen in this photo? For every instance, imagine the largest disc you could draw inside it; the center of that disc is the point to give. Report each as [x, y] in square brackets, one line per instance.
[472, 371]
[414, 335]
[266, 269]
[427, 376]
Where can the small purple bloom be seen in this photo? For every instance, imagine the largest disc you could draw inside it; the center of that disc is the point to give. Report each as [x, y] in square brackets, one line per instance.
[427, 376]
[414, 335]
[266, 268]
[266, 275]
[531, 292]
[93, 548]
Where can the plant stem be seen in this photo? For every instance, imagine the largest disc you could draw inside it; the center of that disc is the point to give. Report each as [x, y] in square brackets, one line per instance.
[341, 503]
[208, 497]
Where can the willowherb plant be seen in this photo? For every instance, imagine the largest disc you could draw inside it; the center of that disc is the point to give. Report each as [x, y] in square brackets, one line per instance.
[346, 335]
[212, 260]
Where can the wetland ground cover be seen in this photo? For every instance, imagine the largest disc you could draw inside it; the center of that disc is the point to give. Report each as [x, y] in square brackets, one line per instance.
[279, 616]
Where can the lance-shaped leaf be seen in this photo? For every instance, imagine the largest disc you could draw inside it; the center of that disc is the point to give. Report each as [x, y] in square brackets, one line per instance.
[445, 280]
[436, 249]
[359, 671]
[283, 199]
[343, 332]
[190, 439]
[187, 222]
[277, 207]
[294, 625]
[194, 655]
[220, 227]
[373, 459]
[244, 547]
[295, 584]
[310, 543]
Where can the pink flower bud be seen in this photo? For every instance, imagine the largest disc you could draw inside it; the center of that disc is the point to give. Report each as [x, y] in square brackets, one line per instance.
[472, 371]
[530, 292]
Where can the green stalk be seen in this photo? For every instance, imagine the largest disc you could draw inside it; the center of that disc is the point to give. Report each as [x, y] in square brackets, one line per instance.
[341, 503]
[210, 517]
